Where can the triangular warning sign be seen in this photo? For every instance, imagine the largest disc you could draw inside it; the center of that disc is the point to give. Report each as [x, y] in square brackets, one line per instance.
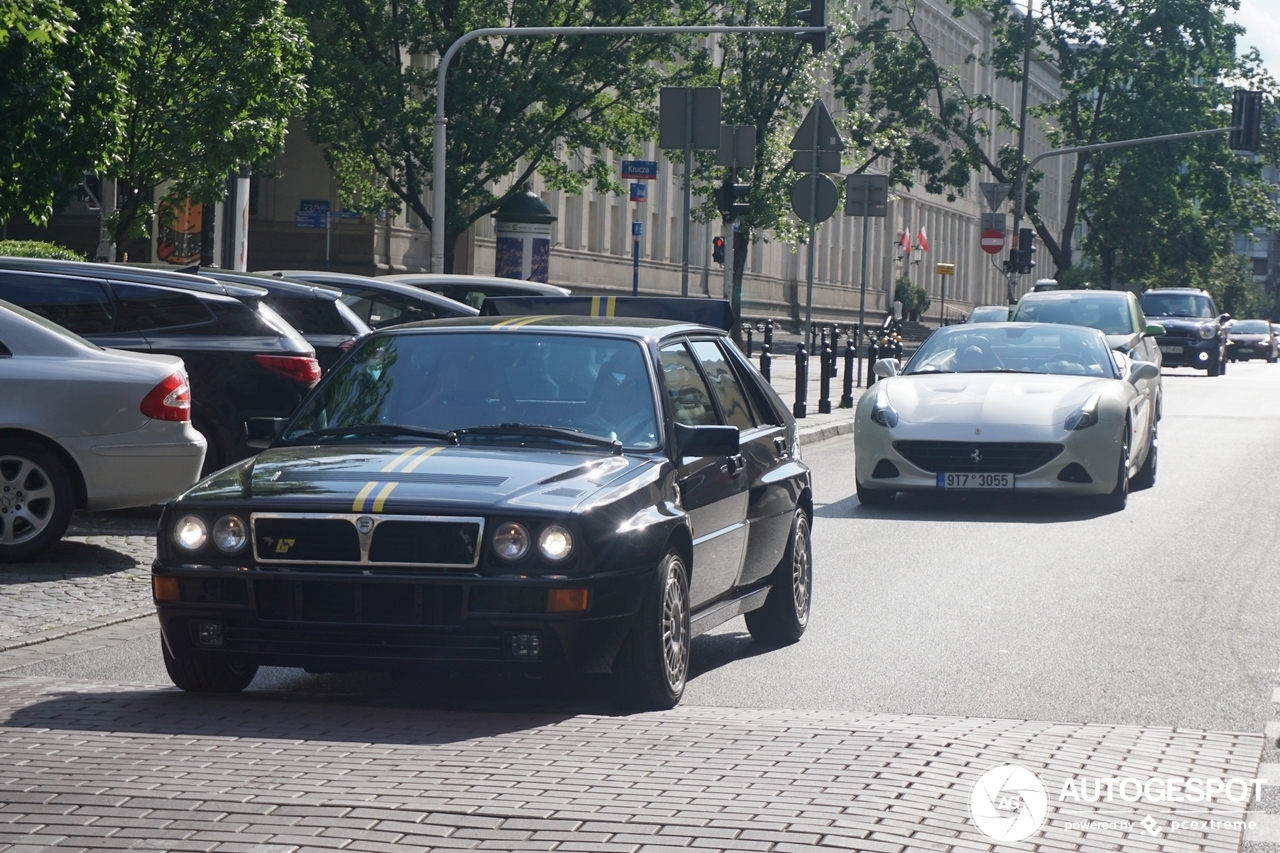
[817, 121]
[995, 194]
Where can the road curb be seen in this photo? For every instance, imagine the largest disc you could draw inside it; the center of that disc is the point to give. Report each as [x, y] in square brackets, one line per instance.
[77, 628]
[822, 432]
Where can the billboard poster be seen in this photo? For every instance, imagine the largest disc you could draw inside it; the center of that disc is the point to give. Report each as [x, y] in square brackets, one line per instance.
[179, 230]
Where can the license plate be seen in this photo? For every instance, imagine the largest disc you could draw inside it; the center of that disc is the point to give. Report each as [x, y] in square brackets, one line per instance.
[1245, 350]
[1171, 350]
[975, 481]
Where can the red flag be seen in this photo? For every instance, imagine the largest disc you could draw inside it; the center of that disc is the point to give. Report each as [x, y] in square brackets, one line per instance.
[905, 241]
[922, 241]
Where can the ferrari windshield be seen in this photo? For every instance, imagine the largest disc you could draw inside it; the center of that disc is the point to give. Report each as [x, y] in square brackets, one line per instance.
[1009, 348]
[1156, 304]
[527, 387]
[1108, 313]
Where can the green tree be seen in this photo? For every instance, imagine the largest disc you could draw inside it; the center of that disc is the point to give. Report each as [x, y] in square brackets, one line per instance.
[1129, 70]
[516, 106]
[211, 88]
[61, 64]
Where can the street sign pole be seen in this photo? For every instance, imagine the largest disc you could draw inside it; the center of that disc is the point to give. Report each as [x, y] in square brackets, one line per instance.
[688, 174]
[637, 228]
[813, 230]
[862, 297]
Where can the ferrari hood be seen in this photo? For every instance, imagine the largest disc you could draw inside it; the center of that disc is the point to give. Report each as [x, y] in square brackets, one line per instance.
[403, 478]
[990, 398]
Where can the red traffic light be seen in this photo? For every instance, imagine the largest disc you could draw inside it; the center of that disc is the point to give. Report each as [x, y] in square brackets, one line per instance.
[717, 250]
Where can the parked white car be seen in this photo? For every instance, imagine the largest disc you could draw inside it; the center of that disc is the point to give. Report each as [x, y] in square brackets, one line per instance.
[82, 427]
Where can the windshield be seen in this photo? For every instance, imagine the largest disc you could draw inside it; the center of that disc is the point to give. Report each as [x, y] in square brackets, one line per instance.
[1250, 327]
[457, 380]
[1157, 304]
[1108, 314]
[1059, 350]
[989, 314]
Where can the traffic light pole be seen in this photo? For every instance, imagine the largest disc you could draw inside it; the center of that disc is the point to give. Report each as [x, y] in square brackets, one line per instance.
[439, 138]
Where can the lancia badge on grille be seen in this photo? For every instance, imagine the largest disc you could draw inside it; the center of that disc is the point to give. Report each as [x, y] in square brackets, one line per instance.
[364, 524]
[976, 456]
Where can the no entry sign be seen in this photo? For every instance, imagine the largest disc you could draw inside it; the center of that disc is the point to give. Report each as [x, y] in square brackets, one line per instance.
[992, 241]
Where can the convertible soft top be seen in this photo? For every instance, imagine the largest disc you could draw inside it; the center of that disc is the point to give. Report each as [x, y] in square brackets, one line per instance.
[716, 313]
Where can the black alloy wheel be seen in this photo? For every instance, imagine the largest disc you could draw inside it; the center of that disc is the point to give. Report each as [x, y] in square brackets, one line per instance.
[785, 614]
[654, 662]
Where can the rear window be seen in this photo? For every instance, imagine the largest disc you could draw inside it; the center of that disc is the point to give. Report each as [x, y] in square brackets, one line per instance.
[310, 316]
[145, 308]
[80, 305]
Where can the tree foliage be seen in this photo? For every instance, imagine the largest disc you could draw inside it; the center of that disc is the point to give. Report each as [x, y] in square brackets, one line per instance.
[516, 106]
[61, 70]
[212, 87]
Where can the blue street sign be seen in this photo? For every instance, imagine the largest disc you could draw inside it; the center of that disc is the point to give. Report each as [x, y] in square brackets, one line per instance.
[637, 229]
[640, 170]
[639, 192]
[312, 213]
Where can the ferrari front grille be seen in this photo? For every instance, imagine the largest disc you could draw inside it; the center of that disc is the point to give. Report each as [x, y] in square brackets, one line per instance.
[997, 457]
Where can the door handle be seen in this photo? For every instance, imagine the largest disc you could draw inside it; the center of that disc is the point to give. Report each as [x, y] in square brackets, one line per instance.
[780, 445]
[734, 464]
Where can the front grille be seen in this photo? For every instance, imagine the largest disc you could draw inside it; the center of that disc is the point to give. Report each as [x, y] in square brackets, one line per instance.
[1003, 457]
[305, 540]
[338, 602]
[1178, 335]
[442, 543]
[367, 539]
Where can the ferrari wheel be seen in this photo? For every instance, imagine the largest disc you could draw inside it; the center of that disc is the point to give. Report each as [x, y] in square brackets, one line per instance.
[785, 614]
[874, 497]
[1119, 496]
[654, 664]
[1146, 476]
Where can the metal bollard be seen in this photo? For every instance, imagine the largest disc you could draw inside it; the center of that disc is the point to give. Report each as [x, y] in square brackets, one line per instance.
[873, 353]
[846, 399]
[824, 379]
[801, 407]
[835, 350]
[766, 362]
[747, 328]
[768, 334]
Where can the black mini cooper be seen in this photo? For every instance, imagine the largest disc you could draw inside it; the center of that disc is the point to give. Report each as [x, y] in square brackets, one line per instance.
[534, 493]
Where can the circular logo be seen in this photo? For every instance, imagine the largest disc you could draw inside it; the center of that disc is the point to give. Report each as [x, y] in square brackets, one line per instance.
[364, 524]
[1008, 803]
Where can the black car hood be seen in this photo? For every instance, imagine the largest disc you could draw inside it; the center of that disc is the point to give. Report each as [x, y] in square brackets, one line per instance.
[1247, 338]
[1182, 323]
[405, 478]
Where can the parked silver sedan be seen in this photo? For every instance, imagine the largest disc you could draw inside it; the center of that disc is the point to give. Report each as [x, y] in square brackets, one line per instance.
[83, 427]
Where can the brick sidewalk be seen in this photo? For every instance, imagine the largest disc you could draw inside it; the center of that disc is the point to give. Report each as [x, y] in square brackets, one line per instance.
[95, 767]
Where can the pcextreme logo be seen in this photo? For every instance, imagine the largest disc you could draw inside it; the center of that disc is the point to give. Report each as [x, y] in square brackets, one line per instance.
[1008, 803]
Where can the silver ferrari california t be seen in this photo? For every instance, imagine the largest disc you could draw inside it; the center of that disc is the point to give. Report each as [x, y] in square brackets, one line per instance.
[1008, 407]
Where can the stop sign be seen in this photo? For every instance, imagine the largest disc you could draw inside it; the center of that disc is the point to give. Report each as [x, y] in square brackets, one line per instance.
[992, 241]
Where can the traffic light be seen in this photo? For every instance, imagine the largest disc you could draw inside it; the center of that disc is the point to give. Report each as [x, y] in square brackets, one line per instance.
[814, 16]
[731, 198]
[1026, 248]
[717, 250]
[1246, 116]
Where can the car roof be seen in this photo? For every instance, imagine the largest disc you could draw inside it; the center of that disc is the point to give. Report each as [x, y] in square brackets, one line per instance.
[1063, 295]
[338, 279]
[426, 279]
[277, 286]
[622, 327]
[119, 272]
[1176, 290]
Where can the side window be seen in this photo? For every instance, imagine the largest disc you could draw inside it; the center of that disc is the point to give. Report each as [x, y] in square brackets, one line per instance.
[144, 308]
[382, 310]
[724, 385]
[80, 305]
[4, 351]
[690, 401]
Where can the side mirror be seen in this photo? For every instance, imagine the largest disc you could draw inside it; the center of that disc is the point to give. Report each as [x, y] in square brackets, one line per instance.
[260, 432]
[1224, 318]
[1143, 371]
[886, 367]
[1153, 330]
[706, 440]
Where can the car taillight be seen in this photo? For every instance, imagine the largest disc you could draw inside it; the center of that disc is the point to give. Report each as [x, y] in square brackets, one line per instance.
[347, 344]
[297, 367]
[170, 400]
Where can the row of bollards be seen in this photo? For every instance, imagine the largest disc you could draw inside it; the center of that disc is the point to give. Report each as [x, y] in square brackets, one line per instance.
[826, 340]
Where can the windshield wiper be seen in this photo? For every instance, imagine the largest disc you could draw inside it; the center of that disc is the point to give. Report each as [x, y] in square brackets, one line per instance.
[375, 429]
[540, 431]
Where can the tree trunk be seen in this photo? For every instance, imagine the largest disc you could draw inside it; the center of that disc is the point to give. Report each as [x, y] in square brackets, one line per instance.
[1108, 259]
[741, 241]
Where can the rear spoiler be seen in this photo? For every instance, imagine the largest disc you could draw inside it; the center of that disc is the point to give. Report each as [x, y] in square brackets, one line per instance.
[716, 313]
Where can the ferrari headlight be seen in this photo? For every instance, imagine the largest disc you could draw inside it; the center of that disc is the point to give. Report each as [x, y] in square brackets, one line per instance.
[1085, 416]
[190, 533]
[230, 533]
[511, 541]
[555, 543]
[1206, 332]
[882, 412]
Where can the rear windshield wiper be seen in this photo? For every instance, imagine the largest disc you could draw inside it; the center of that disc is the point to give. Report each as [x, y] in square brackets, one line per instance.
[541, 431]
[374, 429]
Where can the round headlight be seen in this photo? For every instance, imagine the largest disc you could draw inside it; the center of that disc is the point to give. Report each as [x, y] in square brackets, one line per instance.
[555, 543]
[191, 533]
[511, 541]
[230, 533]
[1207, 332]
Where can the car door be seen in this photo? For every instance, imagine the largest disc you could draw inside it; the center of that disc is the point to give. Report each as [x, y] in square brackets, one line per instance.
[1147, 349]
[765, 449]
[713, 489]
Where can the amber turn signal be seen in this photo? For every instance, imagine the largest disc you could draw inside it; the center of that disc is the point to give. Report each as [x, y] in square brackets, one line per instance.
[165, 589]
[567, 600]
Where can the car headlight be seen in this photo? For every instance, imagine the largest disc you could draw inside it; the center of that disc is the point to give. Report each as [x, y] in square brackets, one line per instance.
[230, 533]
[555, 543]
[1085, 416]
[1207, 332]
[511, 541]
[882, 412]
[190, 533]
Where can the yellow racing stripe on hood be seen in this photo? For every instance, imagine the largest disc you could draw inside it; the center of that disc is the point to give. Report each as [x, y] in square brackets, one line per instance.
[381, 499]
[391, 466]
[408, 469]
[358, 504]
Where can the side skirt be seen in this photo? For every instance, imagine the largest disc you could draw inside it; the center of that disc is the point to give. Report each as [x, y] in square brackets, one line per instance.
[723, 611]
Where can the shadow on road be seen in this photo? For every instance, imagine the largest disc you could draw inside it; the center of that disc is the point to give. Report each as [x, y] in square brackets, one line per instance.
[67, 559]
[1014, 508]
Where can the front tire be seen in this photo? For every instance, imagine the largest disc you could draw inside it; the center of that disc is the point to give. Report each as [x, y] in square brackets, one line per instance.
[655, 660]
[36, 499]
[874, 497]
[785, 614]
[1115, 502]
[196, 673]
[1146, 476]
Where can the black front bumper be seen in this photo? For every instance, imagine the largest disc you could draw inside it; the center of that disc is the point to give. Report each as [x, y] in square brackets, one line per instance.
[337, 622]
[1196, 352]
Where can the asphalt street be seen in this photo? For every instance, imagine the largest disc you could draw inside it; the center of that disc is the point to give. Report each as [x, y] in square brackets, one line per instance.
[1007, 607]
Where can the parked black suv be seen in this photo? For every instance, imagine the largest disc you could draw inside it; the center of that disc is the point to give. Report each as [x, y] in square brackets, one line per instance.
[243, 361]
[382, 303]
[1195, 333]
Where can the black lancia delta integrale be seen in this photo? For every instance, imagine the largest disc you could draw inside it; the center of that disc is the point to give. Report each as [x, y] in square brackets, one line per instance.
[531, 492]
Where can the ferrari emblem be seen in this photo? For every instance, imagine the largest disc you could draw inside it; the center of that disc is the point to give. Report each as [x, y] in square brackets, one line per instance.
[976, 456]
[283, 546]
